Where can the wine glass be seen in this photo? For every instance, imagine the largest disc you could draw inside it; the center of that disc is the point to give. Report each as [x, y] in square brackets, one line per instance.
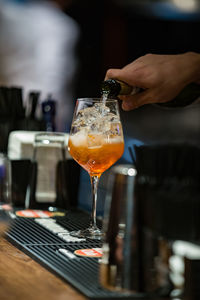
[5, 192]
[96, 142]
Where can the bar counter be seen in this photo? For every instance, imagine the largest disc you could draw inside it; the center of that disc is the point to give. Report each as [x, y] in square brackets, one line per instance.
[23, 278]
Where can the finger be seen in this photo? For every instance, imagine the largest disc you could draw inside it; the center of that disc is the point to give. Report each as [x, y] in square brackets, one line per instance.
[134, 101]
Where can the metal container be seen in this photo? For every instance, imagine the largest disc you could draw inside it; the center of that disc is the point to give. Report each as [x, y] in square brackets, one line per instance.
[135, 260]
[120, 264]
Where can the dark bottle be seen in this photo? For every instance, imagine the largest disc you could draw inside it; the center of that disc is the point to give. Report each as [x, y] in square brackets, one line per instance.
[32, 104]
[49, 112]
[111, 88]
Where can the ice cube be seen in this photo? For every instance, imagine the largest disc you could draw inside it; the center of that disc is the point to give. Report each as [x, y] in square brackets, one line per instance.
[96, 119]
[115, 129]
[94, 141]
[87, 116]
[112, 118]
[100, 125]
[79, 139]
[104, 124]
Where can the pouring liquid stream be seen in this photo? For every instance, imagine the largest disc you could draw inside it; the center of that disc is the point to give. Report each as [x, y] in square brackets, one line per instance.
[104, 98]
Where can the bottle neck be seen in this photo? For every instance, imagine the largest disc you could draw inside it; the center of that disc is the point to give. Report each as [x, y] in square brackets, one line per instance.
[113, 88]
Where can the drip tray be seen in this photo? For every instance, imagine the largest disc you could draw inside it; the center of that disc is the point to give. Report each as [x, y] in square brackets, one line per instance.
[47, 241]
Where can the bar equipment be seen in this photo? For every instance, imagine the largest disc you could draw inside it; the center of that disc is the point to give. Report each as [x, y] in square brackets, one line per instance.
[5, 192]
[13, 116]
[155, 249]
[46, 187]
[5, 181]
[120, 264]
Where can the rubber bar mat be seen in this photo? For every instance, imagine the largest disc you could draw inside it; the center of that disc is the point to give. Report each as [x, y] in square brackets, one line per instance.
[46, 241]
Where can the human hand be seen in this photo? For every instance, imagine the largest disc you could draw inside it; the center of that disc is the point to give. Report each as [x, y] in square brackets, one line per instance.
[161, 77]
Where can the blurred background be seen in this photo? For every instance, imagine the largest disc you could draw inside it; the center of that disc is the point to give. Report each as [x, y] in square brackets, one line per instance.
[63, 48]
[115, 32]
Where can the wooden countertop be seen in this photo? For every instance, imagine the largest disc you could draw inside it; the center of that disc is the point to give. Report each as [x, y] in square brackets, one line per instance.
[22, 278]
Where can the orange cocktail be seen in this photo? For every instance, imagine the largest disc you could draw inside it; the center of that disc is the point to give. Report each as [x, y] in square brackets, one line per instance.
[96, 142]
[95, 153]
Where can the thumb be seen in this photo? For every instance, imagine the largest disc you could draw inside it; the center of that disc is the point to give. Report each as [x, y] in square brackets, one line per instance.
[113, 73]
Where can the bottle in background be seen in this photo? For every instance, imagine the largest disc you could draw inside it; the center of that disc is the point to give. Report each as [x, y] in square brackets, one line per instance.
[49, 112]
[32, 105]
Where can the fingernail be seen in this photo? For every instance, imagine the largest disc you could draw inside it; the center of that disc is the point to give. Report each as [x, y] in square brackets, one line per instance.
[126, 105]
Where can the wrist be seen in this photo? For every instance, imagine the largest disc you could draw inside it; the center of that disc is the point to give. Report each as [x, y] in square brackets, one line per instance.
[193, 65]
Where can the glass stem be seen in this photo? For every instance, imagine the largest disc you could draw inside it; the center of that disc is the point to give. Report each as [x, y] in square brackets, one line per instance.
[94, 182]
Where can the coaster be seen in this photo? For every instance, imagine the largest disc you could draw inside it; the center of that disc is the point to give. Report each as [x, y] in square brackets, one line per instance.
[34, 213]
[93, 252]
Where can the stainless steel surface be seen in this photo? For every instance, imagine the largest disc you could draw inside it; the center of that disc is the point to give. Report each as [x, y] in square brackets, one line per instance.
[135, 259]
[5, 180]
[5, 193]
[119, 267]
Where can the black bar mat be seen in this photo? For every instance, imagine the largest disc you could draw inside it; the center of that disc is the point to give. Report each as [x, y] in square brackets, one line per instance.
[48, 245]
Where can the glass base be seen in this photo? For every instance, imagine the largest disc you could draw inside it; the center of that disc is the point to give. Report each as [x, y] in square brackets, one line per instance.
[93, 233]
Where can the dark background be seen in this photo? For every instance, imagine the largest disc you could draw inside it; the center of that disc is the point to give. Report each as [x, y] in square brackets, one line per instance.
[114, 33]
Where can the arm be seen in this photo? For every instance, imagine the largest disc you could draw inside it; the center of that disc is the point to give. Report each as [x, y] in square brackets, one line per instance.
[161, 77]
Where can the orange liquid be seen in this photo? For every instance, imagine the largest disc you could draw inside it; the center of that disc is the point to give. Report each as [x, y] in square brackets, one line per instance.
[95, 160]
